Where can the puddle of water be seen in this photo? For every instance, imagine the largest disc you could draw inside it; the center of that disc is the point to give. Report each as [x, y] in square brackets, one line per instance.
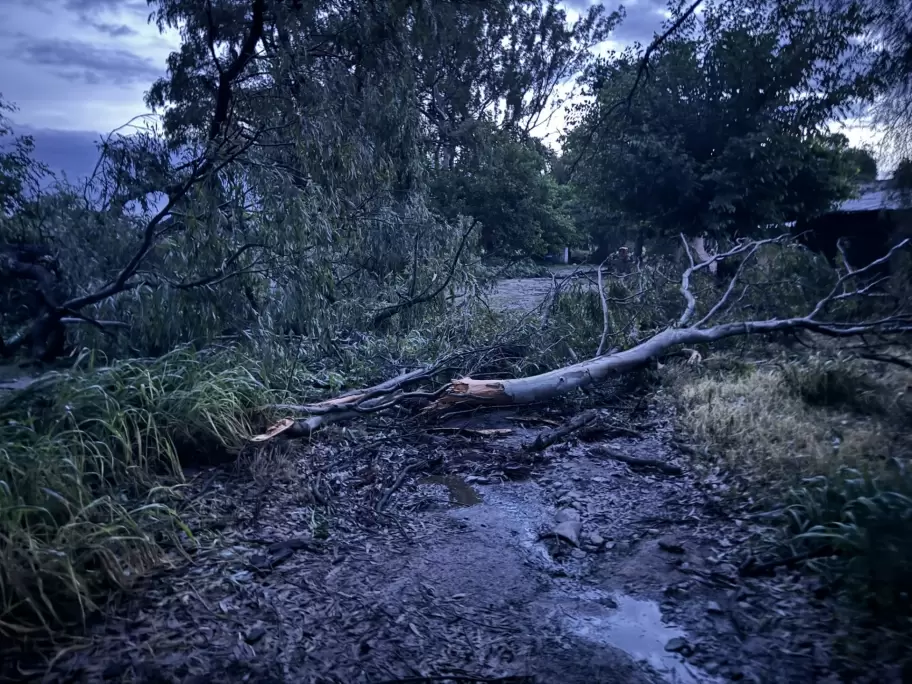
[635, 627]
[513, 515]
[461, 492]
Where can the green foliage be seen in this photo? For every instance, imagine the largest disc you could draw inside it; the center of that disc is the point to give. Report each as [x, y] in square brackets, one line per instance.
[822, 438]
[863, 164]
[727, 133]
[91, 457]
[507, 186]
[858, 530]
[88, 463]
[888, 26]
[902, 176]
[19, 172]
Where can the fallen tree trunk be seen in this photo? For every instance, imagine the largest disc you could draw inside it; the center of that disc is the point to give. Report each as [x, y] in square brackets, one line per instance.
[469, 392]
[538, 388]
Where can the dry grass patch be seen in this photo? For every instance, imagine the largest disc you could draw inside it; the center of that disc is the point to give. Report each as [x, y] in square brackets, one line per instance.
[794, 419]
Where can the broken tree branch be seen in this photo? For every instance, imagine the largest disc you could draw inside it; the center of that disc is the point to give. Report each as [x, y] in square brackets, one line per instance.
[549, 437]
[469, 393]
[634, 462]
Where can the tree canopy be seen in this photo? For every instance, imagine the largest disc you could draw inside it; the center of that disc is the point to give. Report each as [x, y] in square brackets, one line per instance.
[727, 132]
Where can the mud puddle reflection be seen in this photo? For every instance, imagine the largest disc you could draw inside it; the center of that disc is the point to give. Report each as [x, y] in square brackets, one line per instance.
[461, 493]
[515, 515]
[633, 626]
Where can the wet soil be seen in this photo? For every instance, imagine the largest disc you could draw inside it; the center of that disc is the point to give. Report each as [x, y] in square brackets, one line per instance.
[298, 578]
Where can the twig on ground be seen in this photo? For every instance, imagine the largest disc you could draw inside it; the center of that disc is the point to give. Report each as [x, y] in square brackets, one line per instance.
[635, 462]
[610, 431]
[404, 473]
[549, 437]
[461, 678]
[752, 569]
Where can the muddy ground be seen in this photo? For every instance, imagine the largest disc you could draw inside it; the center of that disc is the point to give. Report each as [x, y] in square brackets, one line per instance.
[300, 579]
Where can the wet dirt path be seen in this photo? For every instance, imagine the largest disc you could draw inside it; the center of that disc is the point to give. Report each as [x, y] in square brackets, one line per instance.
[461, 577]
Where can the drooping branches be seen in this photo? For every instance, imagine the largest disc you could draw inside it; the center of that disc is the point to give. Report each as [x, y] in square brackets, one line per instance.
[223, 149]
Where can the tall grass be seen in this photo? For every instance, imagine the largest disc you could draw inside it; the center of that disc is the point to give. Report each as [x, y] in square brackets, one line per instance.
[89, 462]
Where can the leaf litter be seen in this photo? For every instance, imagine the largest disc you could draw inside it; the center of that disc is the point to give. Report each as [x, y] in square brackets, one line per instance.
[300, 579]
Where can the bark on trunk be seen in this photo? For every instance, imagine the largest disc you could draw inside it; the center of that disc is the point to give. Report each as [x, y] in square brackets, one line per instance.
[546, 386]
[699, 247]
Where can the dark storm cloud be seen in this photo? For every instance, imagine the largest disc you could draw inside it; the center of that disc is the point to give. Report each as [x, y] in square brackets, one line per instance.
[69, 152]
[89, 7]
[643, 20]
[90, 63]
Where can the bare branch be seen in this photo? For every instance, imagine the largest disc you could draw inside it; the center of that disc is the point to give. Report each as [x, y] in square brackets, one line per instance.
[723, 301]
[605, 318]
[685, 286]
[857, 273]
[741, 248]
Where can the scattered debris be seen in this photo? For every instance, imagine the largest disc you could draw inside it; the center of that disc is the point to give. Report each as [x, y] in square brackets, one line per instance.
[677, 644]
[567, 515]
[568, 530]
[670, 546]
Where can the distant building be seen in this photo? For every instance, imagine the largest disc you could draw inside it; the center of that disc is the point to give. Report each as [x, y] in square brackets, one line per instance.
[868, 224]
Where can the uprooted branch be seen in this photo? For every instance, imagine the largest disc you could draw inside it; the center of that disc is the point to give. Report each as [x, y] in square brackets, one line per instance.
[468, 392]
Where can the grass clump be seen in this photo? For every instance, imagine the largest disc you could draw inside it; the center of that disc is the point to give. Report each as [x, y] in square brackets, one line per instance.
[857, 529]
[89, 462]
[835, 383]
[825, 439]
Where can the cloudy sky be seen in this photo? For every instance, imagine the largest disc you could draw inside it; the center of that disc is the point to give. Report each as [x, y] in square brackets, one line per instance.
[77, 69]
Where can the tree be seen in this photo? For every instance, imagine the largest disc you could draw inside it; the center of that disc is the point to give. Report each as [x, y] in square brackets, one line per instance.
[728, 132]
[19, 172]
[507, 185]
[889, 23]
[289, 187]
[863, 165]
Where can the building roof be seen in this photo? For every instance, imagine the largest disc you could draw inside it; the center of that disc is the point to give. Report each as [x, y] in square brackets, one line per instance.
[876, 196]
